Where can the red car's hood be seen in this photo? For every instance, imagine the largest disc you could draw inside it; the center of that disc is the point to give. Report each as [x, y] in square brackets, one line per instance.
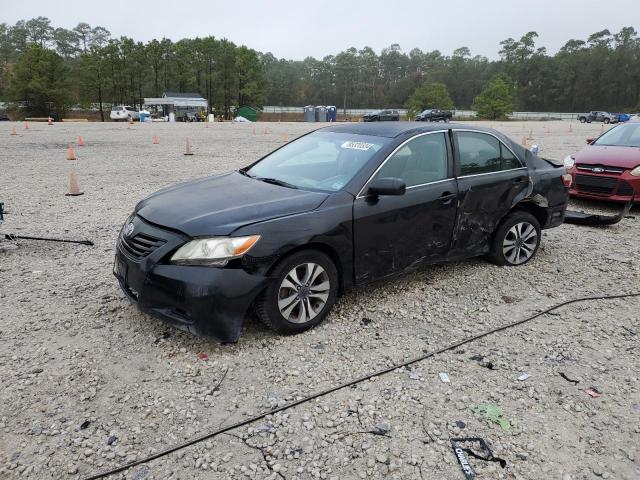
[623, 157]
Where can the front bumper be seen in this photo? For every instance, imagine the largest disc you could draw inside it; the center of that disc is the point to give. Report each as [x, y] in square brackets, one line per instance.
[209, 302]
[608, 187]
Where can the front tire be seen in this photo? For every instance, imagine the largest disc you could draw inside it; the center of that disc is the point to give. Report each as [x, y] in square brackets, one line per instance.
[303, 290]
[606, 120]
[516, 240]
[583, 120]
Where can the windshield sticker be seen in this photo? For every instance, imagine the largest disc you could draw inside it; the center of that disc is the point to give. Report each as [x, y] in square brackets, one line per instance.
[357, 145]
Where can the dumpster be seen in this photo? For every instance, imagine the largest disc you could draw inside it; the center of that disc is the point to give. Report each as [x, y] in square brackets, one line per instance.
[332, 113]
[247, 112]
[309, 113]
[321, 114]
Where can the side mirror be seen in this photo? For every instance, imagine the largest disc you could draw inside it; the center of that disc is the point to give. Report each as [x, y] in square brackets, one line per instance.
[590, 140]
[387, 186]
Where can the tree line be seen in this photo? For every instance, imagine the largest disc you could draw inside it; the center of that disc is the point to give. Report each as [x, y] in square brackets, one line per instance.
[47, 70]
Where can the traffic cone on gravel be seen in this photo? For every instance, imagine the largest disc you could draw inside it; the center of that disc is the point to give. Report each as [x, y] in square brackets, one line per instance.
[14, 131]
[188, 150]
[155, 140]
[74, 191]
[285, 138]
[49, 121]
[80, 141]
[71, 154]
[26, 125]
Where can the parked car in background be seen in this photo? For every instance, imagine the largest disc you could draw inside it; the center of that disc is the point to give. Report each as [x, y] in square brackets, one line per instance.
[434, 115]
[608, 168]
[340, 207]
[382, 116]
[4, 118]
[597, 116]
[124, 112]
[623, 117]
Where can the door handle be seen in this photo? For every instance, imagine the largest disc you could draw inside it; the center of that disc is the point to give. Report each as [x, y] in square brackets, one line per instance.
[447, 197]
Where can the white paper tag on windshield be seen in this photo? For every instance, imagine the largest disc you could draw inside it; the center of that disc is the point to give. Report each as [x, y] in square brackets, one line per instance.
[357, 145]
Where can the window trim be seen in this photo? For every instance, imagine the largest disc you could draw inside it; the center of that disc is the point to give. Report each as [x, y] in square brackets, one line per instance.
[456, 154]
[395, 150]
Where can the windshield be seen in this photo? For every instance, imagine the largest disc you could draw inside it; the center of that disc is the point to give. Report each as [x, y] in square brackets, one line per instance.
[627, 135]
[324, 161]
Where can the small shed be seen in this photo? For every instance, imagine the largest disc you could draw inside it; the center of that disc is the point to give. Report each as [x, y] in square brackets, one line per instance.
[247, 112]
[184, 106]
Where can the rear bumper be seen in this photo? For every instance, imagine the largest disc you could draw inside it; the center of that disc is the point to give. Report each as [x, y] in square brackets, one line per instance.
[206, 301]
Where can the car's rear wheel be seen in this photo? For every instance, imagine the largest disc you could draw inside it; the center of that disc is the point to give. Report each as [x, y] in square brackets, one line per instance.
[516, 240]
[303, 290]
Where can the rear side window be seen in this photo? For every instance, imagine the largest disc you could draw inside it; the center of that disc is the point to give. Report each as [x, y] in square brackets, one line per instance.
[483, 153]
[419, 161]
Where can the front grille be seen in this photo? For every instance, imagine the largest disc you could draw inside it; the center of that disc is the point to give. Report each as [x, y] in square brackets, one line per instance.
[599, 168]
[597, 185]
[625, 189]
[140, 245]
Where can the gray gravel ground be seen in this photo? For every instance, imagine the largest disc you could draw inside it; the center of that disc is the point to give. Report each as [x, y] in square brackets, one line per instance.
[87, 382]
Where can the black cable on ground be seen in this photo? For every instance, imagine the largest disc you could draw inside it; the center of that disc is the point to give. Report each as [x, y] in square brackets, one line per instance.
[350, 383]
[10, 236]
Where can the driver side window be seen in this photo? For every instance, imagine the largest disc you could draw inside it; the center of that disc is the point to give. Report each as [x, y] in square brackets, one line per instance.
[419, 161]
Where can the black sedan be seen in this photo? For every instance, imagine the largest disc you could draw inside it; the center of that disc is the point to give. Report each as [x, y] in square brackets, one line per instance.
[381, 116]
[337, 208]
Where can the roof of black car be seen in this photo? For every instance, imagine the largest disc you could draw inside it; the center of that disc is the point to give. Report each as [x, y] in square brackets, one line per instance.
[392, 129]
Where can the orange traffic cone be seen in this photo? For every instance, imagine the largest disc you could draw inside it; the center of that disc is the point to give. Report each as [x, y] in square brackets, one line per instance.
[49, 121]
[13, 131]
[80, 141]
[525, 143]
[74, 191]
[530, 137]
[285, 138]
[188, 150]
[71, 154]
[26, 125]
[155, 140]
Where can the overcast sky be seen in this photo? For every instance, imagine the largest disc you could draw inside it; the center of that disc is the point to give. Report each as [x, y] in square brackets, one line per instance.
[299, 28]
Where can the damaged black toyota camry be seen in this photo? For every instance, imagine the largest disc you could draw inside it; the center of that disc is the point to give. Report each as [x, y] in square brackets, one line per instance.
[337, 208]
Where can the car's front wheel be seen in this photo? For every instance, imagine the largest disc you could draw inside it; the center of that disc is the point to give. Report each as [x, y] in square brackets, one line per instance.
[516, 240]
[303, 290]
[606, 120]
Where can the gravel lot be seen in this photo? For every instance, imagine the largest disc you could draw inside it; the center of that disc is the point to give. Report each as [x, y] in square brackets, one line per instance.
[87, 382]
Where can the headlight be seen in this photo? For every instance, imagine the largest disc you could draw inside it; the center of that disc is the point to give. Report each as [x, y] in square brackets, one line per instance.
[636, 171]
[569, 161]
[215, 251]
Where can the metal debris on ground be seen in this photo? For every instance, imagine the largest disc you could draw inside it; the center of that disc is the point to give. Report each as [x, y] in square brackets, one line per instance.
[462, 450]
[582, 218]
[592, 392]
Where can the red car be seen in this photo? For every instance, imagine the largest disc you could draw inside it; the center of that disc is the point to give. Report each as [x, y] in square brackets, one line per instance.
[608, 168]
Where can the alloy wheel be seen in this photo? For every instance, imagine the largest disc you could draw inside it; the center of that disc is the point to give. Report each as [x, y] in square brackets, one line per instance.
[520, 243]
[303, 293]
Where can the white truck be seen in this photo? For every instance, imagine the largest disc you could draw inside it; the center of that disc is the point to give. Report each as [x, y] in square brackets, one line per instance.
[124, 112]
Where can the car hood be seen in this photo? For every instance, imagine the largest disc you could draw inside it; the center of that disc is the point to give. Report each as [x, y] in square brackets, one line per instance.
[624, 157]
[219, 205]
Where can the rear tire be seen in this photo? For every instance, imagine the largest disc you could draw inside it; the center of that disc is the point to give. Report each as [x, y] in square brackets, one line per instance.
[516, 240]
[303, 290]
[582, 119]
